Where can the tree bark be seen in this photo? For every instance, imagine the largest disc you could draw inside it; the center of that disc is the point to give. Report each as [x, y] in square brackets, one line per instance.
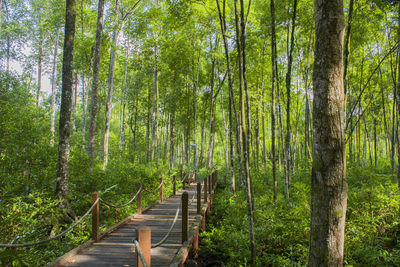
[95, 84]
[210, 133]
[53, 88]
[231, 95]
[39, 74]
[66, 102]
[288, 85]
[307, 111]
[328, 177]
[247, 137]
[110, 87]
[273, 64]
[398, 102]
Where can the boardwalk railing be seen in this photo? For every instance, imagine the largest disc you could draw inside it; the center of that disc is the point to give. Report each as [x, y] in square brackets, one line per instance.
[143, 242]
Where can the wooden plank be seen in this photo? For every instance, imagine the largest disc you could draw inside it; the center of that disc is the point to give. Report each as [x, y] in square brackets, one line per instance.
[115, 247]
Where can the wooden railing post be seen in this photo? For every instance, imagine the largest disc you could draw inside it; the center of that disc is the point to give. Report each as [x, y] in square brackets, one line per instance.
[198, 197]
[183, 181]
[95, 217]
[174, 186]
[195, 246]
[205, 190]
[185, 217]
[161, 190]
[195, 176]
[144, 238]
[139, 201]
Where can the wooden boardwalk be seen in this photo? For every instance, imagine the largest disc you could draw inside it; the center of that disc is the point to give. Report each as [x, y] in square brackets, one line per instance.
[116, 247]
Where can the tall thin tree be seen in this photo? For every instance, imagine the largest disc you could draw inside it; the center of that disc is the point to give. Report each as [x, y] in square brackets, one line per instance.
[95, 83]
[66, 103]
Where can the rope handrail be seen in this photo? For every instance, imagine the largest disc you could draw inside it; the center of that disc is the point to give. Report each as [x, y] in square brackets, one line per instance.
[169, 231]
[191, 201]
[158, 187]
[184, 177]
[139, 251]
[54, 237]
[123, 205]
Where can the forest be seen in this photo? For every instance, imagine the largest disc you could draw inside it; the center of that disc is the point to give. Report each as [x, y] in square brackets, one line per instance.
[295, 103]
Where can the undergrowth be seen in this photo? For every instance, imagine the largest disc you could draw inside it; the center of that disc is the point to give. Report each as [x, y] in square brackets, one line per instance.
[282, 227]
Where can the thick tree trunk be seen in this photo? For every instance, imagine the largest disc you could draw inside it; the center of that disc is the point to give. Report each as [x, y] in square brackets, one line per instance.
[66, 102]
[95, 84]
[328, 178]
[53, 88]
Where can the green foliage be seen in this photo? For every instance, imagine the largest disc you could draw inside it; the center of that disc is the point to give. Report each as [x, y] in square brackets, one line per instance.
[282, 228]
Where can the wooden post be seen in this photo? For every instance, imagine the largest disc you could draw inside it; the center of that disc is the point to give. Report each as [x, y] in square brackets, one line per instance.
[198, 197]
[174, 186]
[195, 247]
[95, 218]
[195, 176]
[161, 190]
[144, 238]
[205, 190]
[185, 217]
[139, 201]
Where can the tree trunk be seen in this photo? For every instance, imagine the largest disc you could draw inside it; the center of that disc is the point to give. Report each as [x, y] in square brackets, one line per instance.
[210, 133]
[375, 144]
[122, 134]
[245, 108]
[195, 115]
[53, 88]
[288, 85]
[65, 112]
[39, 74]
[231, 95]
[172, 142]
[85, 96]
[398, 103]
[273, 64]
[155, 106]
[148, 145]
[307, 111]
[95, 84]
[328, 178]
[74, 102]
[110, 87]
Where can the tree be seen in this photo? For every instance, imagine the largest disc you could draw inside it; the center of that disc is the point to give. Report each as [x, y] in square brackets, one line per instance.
[66, 103]
[328, 178]
[95, 83]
